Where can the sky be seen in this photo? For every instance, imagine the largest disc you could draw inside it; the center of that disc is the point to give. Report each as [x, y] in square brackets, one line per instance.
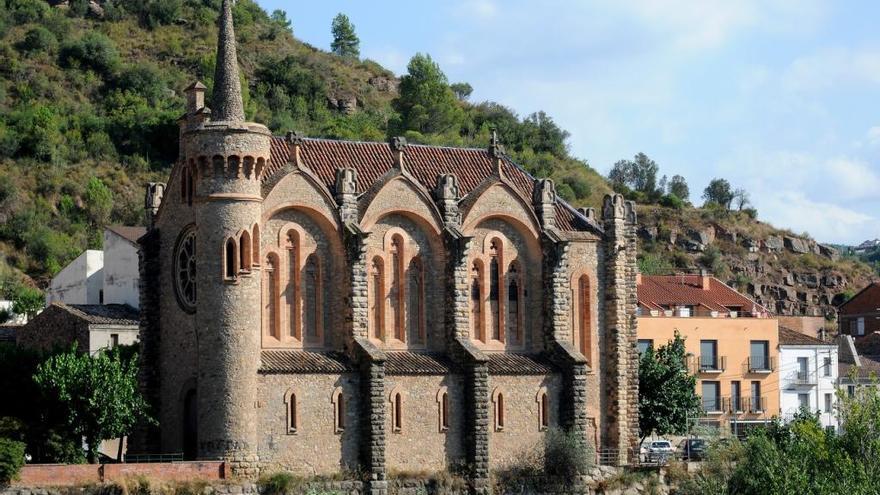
[780, 97]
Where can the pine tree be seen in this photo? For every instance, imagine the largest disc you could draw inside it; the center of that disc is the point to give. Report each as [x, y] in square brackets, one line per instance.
[345, 41]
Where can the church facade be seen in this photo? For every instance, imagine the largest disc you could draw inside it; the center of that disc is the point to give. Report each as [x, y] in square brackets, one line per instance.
[313, 306]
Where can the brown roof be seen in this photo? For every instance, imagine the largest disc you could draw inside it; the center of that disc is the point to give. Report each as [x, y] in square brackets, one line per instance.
[518, 364]
[130, 233]
[103, 314]
[661, 291]
[869, 344]
[866, 300]
[373, 160]
[870, 367]
[788, 336]
[411, 363]
[290, 361]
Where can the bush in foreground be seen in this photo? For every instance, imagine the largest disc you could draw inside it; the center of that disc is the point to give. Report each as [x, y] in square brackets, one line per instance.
[11, 459]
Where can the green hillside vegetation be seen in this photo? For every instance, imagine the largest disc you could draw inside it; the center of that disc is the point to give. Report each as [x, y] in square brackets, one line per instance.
[89, 102]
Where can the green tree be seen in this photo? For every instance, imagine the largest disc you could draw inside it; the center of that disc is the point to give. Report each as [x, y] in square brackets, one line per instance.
[720, 192]
[426, 102]
[679, 187]
[38, 40]
[639, 175]
[11, 459]
[667, 397]
[93, 51]
[462, 90]
[279, 18]
[345, 41]
[99, 202]
[99, 394]
[27, 301]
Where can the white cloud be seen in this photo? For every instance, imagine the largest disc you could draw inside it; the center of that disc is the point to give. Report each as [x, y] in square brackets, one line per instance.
[874, 135]
[824, 221]
[480, 9]
[832, 67]
[851, 179]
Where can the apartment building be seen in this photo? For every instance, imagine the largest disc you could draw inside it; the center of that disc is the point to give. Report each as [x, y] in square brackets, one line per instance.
[808, 376]
[733, 345]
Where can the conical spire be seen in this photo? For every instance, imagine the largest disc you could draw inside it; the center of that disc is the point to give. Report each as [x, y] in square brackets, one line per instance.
[227, 87]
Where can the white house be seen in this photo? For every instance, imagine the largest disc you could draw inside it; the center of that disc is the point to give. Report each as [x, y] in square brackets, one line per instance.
[807, 376]
[80, 282]
[102, 277]
[121, 276]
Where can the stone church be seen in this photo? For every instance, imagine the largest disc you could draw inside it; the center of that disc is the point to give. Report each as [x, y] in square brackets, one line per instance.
[317, 306]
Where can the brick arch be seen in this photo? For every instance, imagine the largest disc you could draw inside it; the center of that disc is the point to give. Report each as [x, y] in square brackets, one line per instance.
[479, 205]
[277, 193]
[375, 205]
[583, 313]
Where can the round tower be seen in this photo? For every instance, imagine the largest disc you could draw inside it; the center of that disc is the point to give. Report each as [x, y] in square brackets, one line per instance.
[225, 158]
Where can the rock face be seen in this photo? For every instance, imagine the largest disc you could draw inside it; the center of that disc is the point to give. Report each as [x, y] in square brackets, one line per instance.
[384, 84]
[786, 273]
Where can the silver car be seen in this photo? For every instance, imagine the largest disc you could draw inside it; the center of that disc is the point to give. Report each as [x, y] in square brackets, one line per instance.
[660, 451]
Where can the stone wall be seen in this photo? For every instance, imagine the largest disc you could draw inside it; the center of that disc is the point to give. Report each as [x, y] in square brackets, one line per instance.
[315, 448]
[54, 328]
[420, 445]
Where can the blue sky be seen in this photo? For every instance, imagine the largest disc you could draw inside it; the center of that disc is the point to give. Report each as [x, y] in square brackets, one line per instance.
[778, 96]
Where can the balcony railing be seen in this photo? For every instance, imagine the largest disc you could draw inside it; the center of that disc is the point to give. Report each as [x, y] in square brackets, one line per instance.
[735, 405]
[754, 405]
[760, 364]
[708, 364]
[803, 378]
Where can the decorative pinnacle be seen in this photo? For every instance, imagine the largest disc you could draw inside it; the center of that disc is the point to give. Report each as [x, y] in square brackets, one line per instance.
[227, 86]
[496, 149]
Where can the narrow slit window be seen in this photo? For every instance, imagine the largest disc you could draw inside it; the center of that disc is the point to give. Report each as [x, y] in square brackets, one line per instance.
[545, 411]
[292, 419]
[230, 267]
[444, 412]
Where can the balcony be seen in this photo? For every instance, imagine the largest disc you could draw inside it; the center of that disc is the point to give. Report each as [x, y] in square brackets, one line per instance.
[802, 379]
[709, 364]
[760, 364]
[735, 405]
[754, 405]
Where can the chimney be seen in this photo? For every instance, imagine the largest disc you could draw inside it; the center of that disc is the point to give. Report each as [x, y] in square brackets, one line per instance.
[638, 279]
[706, 279]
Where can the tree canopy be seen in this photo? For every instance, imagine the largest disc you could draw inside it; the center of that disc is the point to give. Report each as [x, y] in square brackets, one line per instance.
[345, 41]
[667, 396]
[98, 393]
[426, 102]
[719, 191]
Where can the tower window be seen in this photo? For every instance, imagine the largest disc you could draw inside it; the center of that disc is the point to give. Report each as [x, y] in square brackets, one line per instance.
[498, 400]
[230, 268]
[396, 412]
[444, 411]
[376, 298]
[477, 302]
[292, 412]
[339, 410]
[543, 409]
[271, 296]
[244, 252]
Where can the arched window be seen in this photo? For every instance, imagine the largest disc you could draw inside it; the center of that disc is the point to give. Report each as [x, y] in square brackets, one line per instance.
[443, 409]
[244, 252]
[514, 305]
[272, 315]
[292, 291]
[292, 411]
[415, 307]
[376, 290]
[495, 290]
[255, 251]
[186, 184]
[396, 291]
[582, 331]
[498, 400]
[230, 268]
[543, 401]
[338, 400]
[477, 302]
[312, 304]
[396, 411]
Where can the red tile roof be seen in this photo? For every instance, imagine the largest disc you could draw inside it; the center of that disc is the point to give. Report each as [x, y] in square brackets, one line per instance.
[372, 160]
[502, 363]
[290, 361]
[664, 291]
[411, 363]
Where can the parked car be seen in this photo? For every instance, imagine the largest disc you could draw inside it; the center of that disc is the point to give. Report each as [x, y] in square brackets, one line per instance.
[692, 449]
[660, 451]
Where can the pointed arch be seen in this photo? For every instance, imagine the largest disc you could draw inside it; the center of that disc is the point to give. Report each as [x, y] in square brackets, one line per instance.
[292, 409]
[230, 259]
[415, 301]
[401, 189]
[255, 247]
[479, 205]
[543, 400]
[477, 285]
[443, 409]
[339, 410]
[498, 408]
[582, 315]
[514, 303]
[244, 252]
[396, 400]
[293, 287]
[313, 307]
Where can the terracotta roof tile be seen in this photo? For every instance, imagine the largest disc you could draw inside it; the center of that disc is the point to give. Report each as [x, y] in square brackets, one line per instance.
[290, 361]
[662, 291]
[372, 160]
[410, 363]
[788, 336]
[518, 364]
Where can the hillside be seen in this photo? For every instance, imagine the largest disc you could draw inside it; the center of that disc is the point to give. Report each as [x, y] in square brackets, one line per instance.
[90, 92]
[786, 272]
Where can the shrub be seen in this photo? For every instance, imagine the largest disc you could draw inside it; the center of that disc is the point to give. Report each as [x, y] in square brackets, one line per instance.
[672, 201]
[278, 483]
[24, 11]
[38, 40]
[565, 454]
[11, 459]
[653, 264]
[93, 51]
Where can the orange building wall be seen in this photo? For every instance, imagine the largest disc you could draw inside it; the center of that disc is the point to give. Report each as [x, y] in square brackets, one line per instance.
[733, 336]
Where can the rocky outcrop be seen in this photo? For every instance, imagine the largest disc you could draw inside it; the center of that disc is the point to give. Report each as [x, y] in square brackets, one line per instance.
[384, 84]
[346, 104]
